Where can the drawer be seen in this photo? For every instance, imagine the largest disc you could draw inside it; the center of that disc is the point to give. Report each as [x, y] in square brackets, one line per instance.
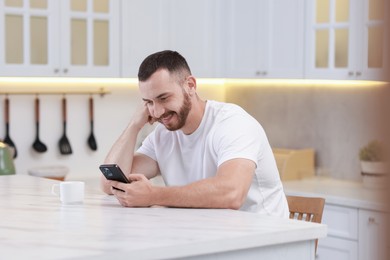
[342, 221]
[331, 248]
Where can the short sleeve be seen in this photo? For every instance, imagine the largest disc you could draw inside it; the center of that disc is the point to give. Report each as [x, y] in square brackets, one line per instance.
[148, 146]
[238, 137]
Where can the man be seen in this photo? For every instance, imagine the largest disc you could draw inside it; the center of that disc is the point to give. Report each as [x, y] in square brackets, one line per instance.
[210, 154]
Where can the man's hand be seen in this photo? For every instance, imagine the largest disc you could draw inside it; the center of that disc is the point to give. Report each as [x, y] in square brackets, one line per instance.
[142, 116]
[138, 193]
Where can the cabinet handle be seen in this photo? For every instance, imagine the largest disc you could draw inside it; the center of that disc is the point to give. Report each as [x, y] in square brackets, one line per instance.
[350, 73]
[261, 73]
[65, 70]
[56, 70]
[358, 73]
[371, 220]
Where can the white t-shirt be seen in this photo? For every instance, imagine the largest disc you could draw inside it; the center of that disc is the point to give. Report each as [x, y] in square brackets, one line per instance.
[225, 132]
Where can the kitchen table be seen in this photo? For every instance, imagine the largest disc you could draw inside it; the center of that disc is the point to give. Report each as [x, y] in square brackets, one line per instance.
[35, 225]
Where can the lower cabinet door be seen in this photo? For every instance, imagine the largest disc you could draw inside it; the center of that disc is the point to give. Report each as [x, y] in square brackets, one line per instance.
[373, 235]
[332, 248]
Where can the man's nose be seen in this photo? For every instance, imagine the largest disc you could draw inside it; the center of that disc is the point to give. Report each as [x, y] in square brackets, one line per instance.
[157, 110]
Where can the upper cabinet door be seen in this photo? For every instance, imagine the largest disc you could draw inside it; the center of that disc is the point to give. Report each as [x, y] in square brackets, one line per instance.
[264, 38]
[375, 39]
[143, 29]
[27, 45]
[59, 38]
[286, 39]
[90, 38]
[192, 31]
[347, 39]
[246, 28]
[188, 27]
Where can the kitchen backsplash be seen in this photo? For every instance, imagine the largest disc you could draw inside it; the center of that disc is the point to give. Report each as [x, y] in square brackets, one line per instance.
[335, 121]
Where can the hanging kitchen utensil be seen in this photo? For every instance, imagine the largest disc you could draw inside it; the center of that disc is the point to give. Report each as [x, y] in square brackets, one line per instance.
[64, 143]
[38, 145]
[91, 139]
[7, 138]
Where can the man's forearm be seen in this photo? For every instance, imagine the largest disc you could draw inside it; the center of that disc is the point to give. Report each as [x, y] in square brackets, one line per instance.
[122, 151]
[208, 193]
[228, 189]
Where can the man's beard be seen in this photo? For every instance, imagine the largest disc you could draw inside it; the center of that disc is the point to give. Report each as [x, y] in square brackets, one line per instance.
[181, 116]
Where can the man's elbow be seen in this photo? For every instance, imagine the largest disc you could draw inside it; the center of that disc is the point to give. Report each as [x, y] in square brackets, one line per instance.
[236, 199]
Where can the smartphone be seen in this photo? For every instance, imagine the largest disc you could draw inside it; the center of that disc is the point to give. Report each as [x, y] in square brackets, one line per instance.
[114, 173]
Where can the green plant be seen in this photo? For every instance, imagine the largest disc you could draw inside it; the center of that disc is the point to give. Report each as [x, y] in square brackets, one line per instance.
[373, 152]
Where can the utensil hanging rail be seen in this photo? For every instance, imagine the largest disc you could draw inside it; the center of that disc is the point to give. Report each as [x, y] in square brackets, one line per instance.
[100, 92]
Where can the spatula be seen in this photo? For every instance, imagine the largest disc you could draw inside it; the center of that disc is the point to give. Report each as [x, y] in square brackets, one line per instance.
[7, 138]
[64, 143]
[91, 139]
[38, 145]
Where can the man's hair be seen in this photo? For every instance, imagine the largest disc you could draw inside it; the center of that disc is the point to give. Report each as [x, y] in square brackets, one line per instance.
[169, 60]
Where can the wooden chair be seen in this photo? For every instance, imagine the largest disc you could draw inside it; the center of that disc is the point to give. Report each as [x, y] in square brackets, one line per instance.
[306, 209]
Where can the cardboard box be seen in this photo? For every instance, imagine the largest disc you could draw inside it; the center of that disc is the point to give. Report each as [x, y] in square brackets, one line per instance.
[294, 164]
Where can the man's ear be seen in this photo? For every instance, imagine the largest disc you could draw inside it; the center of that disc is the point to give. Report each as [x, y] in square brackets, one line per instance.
[191, 85]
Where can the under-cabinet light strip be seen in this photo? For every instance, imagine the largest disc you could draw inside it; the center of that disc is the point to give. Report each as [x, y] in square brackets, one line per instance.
[44, 83]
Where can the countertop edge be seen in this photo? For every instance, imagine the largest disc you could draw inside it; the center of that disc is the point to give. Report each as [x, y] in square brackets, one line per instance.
[339, 192]
[229, 244]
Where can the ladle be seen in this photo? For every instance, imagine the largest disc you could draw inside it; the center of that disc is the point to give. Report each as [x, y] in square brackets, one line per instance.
[38, 145]
[91, 139]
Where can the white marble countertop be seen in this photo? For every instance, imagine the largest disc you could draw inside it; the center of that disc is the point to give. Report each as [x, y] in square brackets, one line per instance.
[339, 192]
[34, 225]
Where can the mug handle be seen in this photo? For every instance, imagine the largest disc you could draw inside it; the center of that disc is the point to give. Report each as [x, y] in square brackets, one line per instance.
[54, 189]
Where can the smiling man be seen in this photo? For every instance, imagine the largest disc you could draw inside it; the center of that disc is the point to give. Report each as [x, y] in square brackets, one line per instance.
[210, 154]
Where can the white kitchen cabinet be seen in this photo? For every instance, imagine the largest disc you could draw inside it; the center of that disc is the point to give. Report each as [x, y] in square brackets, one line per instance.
[342, 221]
[353, 234]
[29, 41]
[342, 240]
[90, 38]
[193, 32]
[189, 27]
[333, 248]
[373, 235]
[356, 218]
[263, 38]
[59, 38]
[142, 32]
[347, 39]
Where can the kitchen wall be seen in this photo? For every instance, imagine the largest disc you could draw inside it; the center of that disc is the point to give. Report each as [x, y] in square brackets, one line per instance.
[112, 114]
[335, 121]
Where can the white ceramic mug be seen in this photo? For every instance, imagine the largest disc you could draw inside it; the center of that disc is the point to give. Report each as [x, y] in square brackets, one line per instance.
[70, 192]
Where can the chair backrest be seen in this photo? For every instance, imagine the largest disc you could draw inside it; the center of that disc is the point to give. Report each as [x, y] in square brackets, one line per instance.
[306, 209]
